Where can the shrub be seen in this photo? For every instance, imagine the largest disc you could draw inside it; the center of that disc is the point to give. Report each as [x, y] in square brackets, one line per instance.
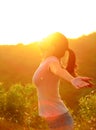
[86, 119]
[2, 100]
[20, 105]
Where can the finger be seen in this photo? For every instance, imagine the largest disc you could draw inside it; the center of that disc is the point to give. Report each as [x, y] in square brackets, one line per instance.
[86, 85]
[77, 87]
[90, 85]
[86, 78]
[83, 84]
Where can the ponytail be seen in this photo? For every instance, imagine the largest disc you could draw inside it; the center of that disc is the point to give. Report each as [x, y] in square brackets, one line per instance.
[71, 65]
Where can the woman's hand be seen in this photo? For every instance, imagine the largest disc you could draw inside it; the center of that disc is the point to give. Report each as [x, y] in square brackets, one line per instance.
[81, 82]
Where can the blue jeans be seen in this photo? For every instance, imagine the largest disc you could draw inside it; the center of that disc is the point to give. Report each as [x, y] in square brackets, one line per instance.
[60, 121]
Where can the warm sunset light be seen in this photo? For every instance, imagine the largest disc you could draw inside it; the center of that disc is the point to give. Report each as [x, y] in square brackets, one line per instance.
[25, 21]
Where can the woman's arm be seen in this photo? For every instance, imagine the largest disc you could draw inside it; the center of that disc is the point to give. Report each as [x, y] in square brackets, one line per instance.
[77, 82]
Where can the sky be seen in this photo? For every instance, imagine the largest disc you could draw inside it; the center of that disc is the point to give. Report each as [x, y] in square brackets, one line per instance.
[26, 21]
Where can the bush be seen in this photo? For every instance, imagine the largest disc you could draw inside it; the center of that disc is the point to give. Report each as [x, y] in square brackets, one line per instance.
[20, 105]
[2, 100]
[86, 119]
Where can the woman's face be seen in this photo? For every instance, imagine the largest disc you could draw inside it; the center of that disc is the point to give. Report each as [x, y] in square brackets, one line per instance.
[47, 51]
[54, 47]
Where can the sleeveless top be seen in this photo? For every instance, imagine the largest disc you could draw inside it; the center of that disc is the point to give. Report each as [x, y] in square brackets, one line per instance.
[47, 84]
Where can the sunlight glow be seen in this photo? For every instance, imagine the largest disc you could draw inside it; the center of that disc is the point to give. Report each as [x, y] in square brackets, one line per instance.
[25, 21]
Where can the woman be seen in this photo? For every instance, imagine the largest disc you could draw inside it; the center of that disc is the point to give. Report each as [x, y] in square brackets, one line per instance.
[47, 77]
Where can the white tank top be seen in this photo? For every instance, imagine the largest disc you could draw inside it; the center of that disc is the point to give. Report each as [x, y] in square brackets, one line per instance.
[47, 84]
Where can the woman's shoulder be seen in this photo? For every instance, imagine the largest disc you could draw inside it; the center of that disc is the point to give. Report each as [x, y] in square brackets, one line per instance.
[48, 61]
[51, 58]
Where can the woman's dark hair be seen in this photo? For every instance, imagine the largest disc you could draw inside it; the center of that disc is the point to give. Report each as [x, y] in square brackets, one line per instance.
[60, 42]
[71, 64]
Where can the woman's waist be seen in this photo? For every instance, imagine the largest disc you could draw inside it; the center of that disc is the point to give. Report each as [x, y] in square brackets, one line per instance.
[51, 108]
[53, 103]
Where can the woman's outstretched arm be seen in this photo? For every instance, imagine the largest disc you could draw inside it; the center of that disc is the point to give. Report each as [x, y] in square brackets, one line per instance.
[77, 82]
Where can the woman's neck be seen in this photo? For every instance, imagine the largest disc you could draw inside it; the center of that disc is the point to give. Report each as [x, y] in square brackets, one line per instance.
[44, 58]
